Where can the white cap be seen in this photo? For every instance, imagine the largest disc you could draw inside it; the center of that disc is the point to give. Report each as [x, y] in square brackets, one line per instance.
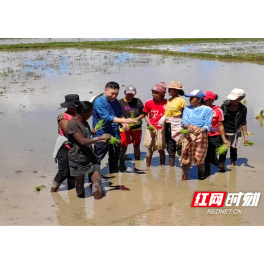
[236, 93]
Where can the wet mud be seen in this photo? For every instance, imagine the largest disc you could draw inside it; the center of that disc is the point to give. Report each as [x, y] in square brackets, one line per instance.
[32, 86]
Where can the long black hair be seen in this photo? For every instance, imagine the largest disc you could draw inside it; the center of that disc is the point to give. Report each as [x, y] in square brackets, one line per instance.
[83, 106]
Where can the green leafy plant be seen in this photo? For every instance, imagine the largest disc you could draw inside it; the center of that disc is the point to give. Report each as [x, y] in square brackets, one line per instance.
[185, 131]
[114, 141]
[222, 149]
[260, 116]
[39, 187]
[100, 125]
[244, 102]
[132, 115]
[138, 123]
[250, 143]
[150, 127]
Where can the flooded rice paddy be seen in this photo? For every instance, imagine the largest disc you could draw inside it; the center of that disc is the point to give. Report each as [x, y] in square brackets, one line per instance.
[32, 86]
[232, 48]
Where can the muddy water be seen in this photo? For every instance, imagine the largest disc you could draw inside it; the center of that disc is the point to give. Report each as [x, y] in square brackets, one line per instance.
[215, 48]
[32, 86]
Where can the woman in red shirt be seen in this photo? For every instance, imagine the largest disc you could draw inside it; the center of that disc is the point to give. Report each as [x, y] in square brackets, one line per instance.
[216, 135]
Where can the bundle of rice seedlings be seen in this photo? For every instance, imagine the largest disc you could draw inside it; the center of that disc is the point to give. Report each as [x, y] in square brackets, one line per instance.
[250, 133]
[260, 116]
[150, 127]
[244, 102]
[250, 143]
[132, 115]
[138, 123]
[222, 149]
[185, 131]
[100, 125]
[114, 141]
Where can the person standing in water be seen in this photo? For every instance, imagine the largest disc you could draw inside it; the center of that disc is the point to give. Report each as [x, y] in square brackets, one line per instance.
[82, 159]
[173, 117]
[235, 122]
[107, 107]
[216, 135]
[197, 119]
[131, 107]
[154, 110]
[62, 149]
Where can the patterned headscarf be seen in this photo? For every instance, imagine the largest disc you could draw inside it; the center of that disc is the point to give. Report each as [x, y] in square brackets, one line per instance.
[160, 88]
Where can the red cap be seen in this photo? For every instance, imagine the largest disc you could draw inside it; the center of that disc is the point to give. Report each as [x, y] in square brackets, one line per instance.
[209, 95]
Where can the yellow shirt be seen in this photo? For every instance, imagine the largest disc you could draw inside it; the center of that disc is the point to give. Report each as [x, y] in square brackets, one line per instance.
[174, 107]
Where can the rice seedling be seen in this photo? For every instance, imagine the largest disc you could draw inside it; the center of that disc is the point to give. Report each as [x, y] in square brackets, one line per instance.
[40, 187]
[132, 115]
[250, 143]
[250, 133]
[114, 141]
[150, 127]
[244, 102]
[100, 125]
[138, 122]
[260, 116]
[222, 149]
[185, 131]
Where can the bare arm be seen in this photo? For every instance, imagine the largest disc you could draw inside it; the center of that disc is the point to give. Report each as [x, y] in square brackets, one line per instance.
[89, 141]
[222, 132]
[140, 117]
[147, 119]
[244, 129]
[122, 120]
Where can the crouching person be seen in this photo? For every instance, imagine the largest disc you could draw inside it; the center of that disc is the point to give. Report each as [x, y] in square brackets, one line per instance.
[82, 159]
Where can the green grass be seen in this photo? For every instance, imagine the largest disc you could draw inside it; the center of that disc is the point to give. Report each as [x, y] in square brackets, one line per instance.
[131, 46]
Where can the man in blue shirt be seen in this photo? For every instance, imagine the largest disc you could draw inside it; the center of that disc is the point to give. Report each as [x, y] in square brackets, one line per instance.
[107, 107]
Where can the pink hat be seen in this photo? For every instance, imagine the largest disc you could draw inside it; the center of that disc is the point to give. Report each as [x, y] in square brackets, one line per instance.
[160, 88]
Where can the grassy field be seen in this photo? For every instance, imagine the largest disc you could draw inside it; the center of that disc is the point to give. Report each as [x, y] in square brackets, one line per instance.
[131, 46]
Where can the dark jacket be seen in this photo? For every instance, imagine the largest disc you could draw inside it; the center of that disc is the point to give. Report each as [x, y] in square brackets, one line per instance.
[241, 116]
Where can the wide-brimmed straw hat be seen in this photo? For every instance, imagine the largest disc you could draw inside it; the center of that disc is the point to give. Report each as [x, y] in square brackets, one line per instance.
[175, 85]
[70, 100]
[236, 93]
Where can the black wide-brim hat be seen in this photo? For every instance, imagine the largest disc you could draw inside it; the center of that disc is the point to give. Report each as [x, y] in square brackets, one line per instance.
[70, 100]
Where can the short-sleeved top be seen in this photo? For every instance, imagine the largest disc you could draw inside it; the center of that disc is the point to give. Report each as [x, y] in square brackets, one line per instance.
[218, 115]
[106, 110]
[155, 111]
[78, 152]
[234, 120]
[135, 106]
[174, 106]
